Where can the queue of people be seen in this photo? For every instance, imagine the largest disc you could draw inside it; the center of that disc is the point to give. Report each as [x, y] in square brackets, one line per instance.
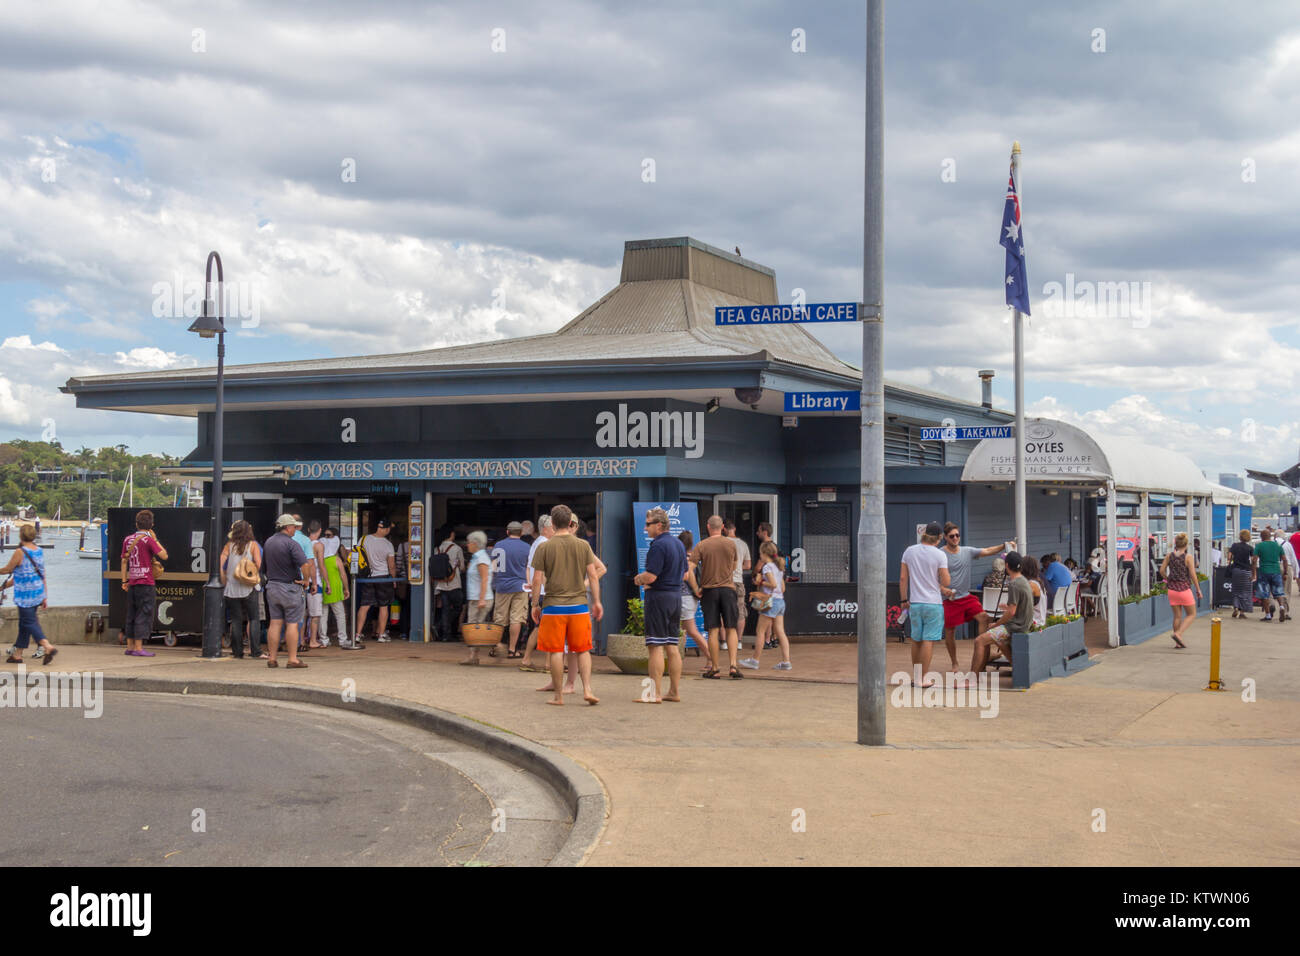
[284, 595]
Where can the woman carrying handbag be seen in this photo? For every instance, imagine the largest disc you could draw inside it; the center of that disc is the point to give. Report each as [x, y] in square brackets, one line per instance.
[241, 579]
[27, 565]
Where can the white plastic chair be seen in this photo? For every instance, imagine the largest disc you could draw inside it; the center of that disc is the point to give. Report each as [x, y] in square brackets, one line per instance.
[992, 597]
[1072, 598]
[1098, 601]
[1058, 602]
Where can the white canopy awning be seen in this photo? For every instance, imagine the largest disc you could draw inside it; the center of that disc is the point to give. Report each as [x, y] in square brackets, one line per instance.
[1059, 452]
[1223, 495]
[228, 473]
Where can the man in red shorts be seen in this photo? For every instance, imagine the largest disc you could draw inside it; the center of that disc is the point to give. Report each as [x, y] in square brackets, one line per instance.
[563, 568]
[963, 606]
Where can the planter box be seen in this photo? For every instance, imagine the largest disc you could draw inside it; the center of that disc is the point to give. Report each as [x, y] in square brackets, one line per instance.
[1072, 643]
[1034, 655]
[629, 653]
[1135, 622]
[1162, 615]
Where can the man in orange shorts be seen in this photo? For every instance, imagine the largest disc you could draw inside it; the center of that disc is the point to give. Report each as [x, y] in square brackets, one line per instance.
[565, 566]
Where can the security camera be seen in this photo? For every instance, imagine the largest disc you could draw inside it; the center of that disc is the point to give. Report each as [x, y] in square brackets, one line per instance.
[749, 396]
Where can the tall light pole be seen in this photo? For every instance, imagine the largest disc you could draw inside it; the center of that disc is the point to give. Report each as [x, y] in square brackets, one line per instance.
[872, 606]
[208, 325]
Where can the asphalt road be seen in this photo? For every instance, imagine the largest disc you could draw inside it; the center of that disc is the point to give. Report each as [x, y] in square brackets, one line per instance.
[271, 783]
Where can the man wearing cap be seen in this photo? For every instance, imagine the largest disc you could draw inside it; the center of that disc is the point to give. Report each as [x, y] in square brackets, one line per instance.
[287, 570]
[1017, 616]
[509, 565]
[922, 585]
[383, 564]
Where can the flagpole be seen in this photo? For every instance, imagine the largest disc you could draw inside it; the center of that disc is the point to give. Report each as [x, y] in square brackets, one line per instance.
[1022, 524]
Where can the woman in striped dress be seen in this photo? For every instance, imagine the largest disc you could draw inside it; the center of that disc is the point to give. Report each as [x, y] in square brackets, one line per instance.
[1243, 575]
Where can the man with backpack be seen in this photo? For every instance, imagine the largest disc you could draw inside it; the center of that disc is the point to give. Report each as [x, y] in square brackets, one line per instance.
[445, 567]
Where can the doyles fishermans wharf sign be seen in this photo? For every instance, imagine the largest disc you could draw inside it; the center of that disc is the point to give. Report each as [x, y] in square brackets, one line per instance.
[1051, 450]
[477, 468]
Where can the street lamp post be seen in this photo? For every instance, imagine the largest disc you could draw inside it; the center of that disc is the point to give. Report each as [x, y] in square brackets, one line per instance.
[872, 606]
[208, 325]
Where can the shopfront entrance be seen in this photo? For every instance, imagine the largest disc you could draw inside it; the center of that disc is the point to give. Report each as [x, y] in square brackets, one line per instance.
[491, 515]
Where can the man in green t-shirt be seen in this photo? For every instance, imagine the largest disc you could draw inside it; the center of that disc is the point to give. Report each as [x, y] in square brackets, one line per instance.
[1269, 562]
[1017, 616]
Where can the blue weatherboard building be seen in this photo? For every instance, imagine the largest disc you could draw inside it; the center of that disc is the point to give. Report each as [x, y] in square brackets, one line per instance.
[642, 397]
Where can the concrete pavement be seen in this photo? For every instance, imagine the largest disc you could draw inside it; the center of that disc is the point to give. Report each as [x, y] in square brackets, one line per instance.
[1127, 763]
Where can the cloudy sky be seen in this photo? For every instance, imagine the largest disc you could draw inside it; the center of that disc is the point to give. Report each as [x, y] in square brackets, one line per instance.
[400, 175]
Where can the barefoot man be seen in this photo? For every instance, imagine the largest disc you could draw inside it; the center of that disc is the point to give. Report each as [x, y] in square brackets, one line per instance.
[923, 583]
[665, 566]
[565, 565]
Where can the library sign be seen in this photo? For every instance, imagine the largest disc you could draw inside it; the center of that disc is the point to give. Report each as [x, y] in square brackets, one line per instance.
[1052, 451]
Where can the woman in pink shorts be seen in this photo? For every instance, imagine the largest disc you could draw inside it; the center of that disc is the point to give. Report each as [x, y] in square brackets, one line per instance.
[1179, 571]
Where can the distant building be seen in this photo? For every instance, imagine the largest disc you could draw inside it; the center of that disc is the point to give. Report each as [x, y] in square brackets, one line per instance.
[1232, 481]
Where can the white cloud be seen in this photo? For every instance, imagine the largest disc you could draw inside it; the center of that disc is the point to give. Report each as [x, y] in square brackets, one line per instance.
[139, 359]
[1215, 448]
[24, 343]
[31, 405]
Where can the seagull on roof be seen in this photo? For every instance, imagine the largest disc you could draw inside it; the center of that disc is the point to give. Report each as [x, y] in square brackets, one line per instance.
[738, 251]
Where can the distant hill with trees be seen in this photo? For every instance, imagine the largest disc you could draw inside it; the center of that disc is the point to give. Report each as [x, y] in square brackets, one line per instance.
[45, 476]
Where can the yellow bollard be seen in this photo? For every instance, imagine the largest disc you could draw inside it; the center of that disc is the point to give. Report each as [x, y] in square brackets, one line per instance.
[1216, 625]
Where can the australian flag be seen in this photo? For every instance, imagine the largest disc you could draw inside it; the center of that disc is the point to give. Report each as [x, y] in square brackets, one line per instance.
[1017, 282]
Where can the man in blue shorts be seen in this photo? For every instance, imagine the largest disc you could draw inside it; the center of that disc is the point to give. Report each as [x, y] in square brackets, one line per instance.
[665, 567]
[922, 585]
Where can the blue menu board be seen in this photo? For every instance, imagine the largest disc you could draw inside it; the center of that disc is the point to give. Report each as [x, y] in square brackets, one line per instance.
[682, 516]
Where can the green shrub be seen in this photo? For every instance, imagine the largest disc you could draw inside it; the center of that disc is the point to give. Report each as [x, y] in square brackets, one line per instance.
[635, 618]
[1056, 619]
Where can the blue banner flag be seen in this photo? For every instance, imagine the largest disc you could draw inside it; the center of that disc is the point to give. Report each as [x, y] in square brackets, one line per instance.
[1017, 282]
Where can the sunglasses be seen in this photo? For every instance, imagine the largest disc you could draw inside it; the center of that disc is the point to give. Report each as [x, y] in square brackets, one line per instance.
[954, 534]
